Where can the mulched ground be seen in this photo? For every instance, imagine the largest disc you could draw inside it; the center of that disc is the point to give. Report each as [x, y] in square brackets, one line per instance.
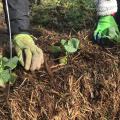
[87, 88]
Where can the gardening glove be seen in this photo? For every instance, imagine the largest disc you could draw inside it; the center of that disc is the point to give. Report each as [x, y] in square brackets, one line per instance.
[30, 56]
[1, 8]
[106, 31]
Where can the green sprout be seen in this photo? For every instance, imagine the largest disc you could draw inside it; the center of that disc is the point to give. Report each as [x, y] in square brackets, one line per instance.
[70, 46]
[5, 66]
[66, 47]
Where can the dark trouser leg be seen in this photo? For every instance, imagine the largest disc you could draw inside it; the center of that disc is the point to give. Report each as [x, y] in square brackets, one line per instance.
[19, 15]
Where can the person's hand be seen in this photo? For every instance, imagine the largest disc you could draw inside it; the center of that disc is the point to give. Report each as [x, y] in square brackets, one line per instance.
[30, 56]
[106, 31]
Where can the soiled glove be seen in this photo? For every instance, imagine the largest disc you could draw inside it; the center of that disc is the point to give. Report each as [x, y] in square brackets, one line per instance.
[107, 30]
[30, 56]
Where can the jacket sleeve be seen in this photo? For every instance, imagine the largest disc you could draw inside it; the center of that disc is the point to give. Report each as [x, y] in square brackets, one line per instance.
[19, 15]
[106, 7]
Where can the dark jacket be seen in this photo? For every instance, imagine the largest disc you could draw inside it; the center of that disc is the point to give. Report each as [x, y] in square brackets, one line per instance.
[19, 15]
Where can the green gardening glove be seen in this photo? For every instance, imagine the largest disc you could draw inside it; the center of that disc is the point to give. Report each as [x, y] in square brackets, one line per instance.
[25, 47]
[107, 29]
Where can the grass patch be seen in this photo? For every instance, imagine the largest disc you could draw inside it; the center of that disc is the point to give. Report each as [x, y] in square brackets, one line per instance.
[64, 13]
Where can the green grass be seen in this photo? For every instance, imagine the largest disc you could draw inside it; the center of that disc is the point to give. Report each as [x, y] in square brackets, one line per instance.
[64, 13]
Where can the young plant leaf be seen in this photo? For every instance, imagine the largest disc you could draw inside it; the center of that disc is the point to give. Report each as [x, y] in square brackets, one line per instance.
[12, 63]
[75, 42]
[4, 77]
[55, 49]
[13, 78]
[71, 45]
[4, 61]
[2, 84]
[63, 60]
[63, 42]
[5, 74]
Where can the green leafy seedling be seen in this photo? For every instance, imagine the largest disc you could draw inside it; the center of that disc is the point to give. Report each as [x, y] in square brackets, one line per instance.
[70, 46]
[63, 60]
[66, 47]
[5, 66]
[55, 49]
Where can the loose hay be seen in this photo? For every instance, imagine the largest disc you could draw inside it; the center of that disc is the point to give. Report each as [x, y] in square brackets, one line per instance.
[87, 88]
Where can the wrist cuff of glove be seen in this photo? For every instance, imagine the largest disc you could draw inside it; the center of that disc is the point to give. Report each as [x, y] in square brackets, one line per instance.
[27, 33]
[106, 7]
[24, 36]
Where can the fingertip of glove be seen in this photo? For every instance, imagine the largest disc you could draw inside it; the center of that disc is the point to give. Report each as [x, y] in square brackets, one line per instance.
[21, 63]
[32, 69]
[27, 68]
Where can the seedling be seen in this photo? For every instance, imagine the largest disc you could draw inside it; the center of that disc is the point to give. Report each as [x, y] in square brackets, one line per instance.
[65, 48]
[5, 66]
